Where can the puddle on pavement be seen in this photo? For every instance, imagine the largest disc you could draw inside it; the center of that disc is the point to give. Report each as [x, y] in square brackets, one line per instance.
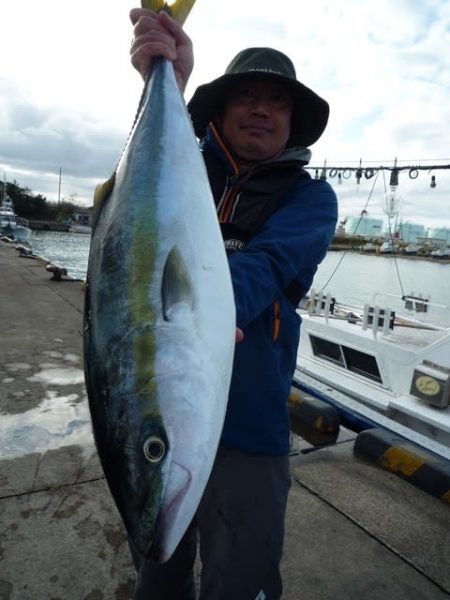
[19, 366]
[53, 374]
[53, 353]
[59, 420]
[74, 358]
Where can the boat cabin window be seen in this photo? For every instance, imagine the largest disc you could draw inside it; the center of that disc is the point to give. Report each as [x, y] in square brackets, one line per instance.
[362, 363]
[348, 358]
[327, 349]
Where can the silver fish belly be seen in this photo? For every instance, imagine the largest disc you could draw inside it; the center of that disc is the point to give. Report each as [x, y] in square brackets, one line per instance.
[159, 325]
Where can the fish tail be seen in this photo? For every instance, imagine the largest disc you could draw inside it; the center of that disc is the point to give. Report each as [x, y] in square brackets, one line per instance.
[155, 5]
[178, 10]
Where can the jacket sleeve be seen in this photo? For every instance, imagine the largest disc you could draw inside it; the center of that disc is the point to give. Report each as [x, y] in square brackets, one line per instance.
[294, 238]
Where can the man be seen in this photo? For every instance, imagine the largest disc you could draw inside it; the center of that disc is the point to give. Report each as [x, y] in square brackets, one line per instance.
[255, 123]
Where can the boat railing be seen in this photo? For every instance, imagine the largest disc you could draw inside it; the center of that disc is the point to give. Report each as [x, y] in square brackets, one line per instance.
[376, 318]
[320, 304]
[415, 302]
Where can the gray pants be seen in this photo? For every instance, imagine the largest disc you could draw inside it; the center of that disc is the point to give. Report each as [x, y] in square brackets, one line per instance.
[240, 523]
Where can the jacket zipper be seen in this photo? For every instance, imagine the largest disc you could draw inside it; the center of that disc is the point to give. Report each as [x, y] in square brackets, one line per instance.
[276, 321]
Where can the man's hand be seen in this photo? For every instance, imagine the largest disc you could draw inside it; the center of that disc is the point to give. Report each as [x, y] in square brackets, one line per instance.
[157, 34]
[239, 335]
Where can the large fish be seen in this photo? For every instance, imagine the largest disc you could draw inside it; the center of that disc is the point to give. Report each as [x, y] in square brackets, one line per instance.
[159, 323]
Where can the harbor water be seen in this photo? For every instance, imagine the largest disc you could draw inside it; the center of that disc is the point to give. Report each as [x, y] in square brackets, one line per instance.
[349, 276]
[69, 250]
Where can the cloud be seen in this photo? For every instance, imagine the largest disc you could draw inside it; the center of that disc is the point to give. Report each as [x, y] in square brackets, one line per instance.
[383, 66]
[43, 139]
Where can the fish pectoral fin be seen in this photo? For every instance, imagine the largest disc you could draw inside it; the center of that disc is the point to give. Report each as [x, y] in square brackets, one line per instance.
[178, 10]
[176, 288]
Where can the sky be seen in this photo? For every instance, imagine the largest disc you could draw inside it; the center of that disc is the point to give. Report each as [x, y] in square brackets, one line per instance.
[68, 93]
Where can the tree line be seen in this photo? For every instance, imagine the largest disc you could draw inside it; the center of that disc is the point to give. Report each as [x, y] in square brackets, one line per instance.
[36, 206]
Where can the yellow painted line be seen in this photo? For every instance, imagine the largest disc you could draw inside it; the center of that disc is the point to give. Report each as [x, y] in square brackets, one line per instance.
[318, 423]
[399, 460]
[446, 497]
[295, 398]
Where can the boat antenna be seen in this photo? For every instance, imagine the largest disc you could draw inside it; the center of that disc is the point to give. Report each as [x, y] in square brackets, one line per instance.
[393, 184]
[364, 211]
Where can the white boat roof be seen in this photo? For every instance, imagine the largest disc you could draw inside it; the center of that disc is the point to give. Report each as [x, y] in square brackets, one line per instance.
[409, 334]
[413, 336]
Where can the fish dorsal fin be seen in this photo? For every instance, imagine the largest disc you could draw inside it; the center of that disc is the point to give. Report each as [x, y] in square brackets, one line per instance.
[176, 288]
[103, 190]
[101, 194]
[179, 9]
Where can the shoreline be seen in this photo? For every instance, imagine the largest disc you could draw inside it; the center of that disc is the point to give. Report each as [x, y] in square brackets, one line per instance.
[341, 248]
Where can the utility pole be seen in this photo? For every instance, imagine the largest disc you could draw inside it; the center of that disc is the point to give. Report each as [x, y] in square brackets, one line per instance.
[59, 187]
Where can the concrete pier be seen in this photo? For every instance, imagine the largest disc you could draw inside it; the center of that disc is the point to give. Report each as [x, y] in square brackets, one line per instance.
[352, 530]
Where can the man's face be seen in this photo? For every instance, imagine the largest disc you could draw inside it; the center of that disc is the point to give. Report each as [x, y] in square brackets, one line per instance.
[257, 119]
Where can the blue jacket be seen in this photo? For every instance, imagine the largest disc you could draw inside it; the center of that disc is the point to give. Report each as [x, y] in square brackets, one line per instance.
[277, 226]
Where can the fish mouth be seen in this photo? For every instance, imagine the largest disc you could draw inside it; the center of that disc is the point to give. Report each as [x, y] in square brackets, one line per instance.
[172, 520]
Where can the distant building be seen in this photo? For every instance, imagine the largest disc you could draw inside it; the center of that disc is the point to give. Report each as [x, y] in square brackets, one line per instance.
[410, 232]
[82, 217]
[439, 235]
[364, 226]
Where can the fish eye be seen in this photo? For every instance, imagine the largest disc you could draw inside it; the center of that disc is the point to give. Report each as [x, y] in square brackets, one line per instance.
[154, 449]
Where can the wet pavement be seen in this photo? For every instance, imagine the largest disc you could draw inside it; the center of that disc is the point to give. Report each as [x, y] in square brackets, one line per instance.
[352, 530]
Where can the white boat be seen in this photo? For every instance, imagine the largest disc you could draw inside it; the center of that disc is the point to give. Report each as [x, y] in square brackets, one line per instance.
[77, 228]
[411, 249]
[10, 224]
[369, 247]
[387, 248]
[441, 253]
[378, 369]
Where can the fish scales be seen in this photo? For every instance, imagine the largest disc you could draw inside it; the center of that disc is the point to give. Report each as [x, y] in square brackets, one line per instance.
[159, 324]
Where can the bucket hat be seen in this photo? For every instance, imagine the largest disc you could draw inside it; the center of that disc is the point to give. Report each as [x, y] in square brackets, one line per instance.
[309, 113]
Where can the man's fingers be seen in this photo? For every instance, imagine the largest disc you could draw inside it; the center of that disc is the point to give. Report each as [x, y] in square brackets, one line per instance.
[157, 34]
[137, 13]
[151, 46]
[173, 27]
